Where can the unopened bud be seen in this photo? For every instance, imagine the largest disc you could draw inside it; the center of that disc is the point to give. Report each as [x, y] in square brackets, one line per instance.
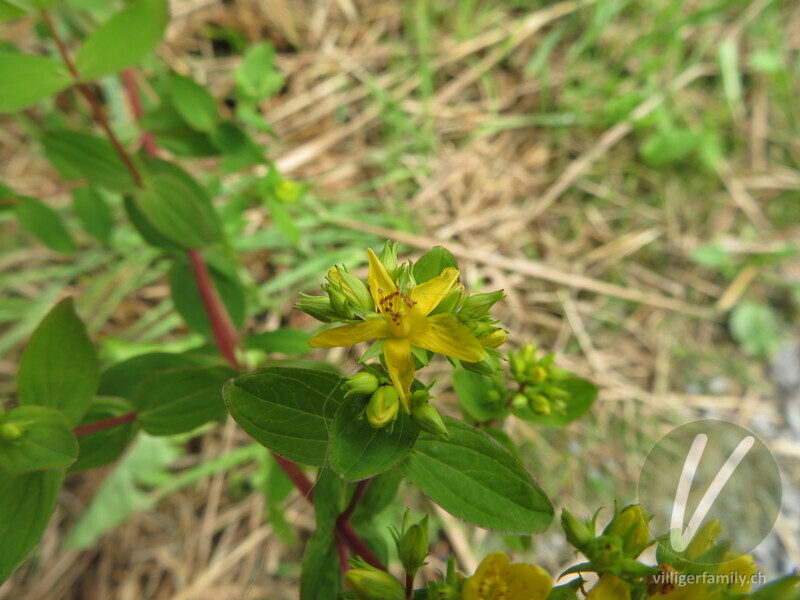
[704, 539]
[452, 300]
[412, 547]
[339, 302]
[419, 397]
[630, 525]
[578, 533]
[429, 419]
[540, 405]
[383, 406]
[528, 353]
[373, 584]
[318, 307]
[478, 305]
[355, 290]
[10, 432]
[520, 401]
[361, 383]
[537, 374]
[388, 257]
[495, 339]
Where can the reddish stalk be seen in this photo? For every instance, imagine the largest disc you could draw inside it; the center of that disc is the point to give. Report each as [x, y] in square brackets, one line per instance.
[224, 333]
[409, 586]
[147, 138]
[358, 494]
[105, 424]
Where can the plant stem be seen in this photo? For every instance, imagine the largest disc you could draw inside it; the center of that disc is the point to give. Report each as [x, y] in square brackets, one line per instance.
[105, 423]
[97, 111]
[147, 139]
[409, 586]
[358, 494]
[357, 545]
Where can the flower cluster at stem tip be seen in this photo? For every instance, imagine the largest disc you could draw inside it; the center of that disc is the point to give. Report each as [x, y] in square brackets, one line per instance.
[409, 320]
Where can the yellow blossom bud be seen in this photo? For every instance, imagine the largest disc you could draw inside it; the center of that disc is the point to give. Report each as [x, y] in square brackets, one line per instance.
[495, 339]
[373, 584]
[388, 256]
[630, 525]
[383, 406]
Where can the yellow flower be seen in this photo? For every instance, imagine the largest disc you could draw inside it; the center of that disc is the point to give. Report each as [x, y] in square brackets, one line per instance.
[404, 320]
[610, 587]
[496, 579]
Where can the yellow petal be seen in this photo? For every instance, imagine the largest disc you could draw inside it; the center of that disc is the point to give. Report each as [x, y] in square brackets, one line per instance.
[347, 335]
[445, 334]
[400, 364]
[610, 587]
[528, 582]
[428, 295]
[493, 566]
[380, 284]
[739, 570]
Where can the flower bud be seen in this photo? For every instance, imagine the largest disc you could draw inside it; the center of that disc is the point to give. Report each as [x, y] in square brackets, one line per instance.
[339, 302]
[383, 406]
[442, 591]
[540, 405]
[361, 383]
[495, 339]
[355, 290]
[419, 397]
[528, 353]
[10, 432]
[412, 546]
[536, 374]
[374, 584]
[429, 419]
[520, 401]
[388, 257]
[630, 525]
[578, 533]
[704, 539]
[318, 307]
[451, 301]
[478, 305]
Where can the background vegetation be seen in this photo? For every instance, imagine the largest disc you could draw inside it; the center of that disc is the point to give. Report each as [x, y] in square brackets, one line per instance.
[627, 172]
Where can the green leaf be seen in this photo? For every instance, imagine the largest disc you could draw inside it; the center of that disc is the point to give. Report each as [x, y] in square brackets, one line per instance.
[26, 505]
[257, 76]
[582, 394]
[285, 341]
[105, 446]
[123, 40]
[380, 494]
[149, 233]
[179, 400]
[238, 149]
[568, 591]
[177, 206]
[186, 296]
[43, 222]
[27, 79]
[500, 493]
[755, 327]
[59, 365]
[121, 379]
[8, 11]
[784, 588]
[473, 390]
[93, 212]
[359, 451]
[194, 103]
[281, 217]
[46, 440]
[94, 158]
[432, 263]
[290, 411]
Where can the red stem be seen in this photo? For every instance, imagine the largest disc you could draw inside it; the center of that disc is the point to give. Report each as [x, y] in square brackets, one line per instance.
[147, 138]
[105, 423]
[357, 545]
[299, 478]
[358, 494]
[224, 332]
[409, 586]
[341, 548]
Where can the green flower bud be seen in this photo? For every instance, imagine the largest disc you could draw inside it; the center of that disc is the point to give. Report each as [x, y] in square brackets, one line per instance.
[520, 401]
[540, 405]
[488, 365]
[383, 406]
[388, 257]
[704, 539]
[495, 339]
[374, 584]
[429, 419]
[442, 591]
[412, 546]
[339, 302]
[10, 432]
[536, 374]
[494, 396]
[318, 307]
[354, 290]
[361, 383]
[451, 301]
[419, 397]
[630, 525]
[528, 354]
[517, 366]
[605, 552]
[478, 305]
[578, 533]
